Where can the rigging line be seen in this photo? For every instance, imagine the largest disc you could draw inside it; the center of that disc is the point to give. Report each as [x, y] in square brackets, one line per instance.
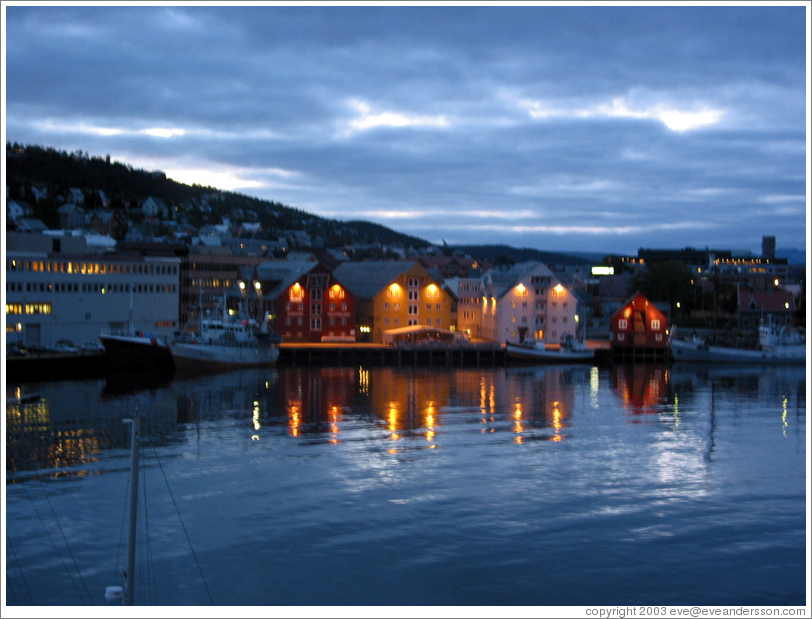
[48, 533]
[117, 572]
[19, 569]
[183, 526]
[150, 579]
[65, 539]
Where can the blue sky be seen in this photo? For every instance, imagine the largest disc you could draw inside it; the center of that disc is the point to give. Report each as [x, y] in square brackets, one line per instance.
[574, 128]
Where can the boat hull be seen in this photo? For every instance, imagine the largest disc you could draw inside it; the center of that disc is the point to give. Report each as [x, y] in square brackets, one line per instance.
[521, 353]
[209, 357]
[691, 351]
[132, 351]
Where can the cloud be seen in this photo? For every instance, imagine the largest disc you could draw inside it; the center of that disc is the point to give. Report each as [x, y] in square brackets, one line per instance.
[672, 117]
[367, 119]
[562, 125]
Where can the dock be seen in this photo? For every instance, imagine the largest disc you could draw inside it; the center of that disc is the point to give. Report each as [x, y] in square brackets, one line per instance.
[436, 354]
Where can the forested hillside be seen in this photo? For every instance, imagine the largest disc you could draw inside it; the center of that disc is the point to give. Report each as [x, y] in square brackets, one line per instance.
[43, 177]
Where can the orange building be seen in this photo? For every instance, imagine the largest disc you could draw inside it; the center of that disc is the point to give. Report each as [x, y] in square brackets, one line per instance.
[639, 327]
[392, 295]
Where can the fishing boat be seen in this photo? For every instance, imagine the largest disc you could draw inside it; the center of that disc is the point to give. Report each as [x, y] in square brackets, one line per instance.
[135, 348]
[229, 342]
[570, 351]
[776, 345]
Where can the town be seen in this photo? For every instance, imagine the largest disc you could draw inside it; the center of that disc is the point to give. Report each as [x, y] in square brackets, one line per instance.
[104, 270]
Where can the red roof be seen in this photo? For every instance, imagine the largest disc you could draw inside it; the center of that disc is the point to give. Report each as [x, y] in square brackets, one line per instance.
[766, 300]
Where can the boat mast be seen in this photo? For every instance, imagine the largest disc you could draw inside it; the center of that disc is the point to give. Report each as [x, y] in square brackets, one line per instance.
[134, 454]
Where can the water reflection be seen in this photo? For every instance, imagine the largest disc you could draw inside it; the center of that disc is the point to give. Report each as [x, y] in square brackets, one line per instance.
[70, 423]
[64, 426]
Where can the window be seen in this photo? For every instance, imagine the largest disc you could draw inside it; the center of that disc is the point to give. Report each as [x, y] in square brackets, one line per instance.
[414, 295]
[428, 321]
[315, 308]
[428, 307]
[655, 325]
[413, 282]
[622, 324]
[386, 307]
[412, 310]
[315, 294]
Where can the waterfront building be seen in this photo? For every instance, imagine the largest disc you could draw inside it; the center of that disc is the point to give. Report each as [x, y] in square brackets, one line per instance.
[209, 273]
[466, 293]
[307, 303]
[756, 305]
[527, 300]
[391, 295]
[57, 295]
[639, 326]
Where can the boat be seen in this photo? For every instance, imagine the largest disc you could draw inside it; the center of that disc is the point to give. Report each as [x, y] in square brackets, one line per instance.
[570, 351]
[229, 342]
[135, 348]
[776, 345]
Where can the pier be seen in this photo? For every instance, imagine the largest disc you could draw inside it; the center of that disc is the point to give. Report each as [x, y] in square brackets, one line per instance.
[435, 354]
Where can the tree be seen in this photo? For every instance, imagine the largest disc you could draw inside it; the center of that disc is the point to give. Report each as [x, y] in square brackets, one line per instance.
[667, 281]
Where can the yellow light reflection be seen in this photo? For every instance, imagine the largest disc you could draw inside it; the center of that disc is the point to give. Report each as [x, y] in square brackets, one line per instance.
[430, 410]
[294, 417]
[255, 416]
[393, 420]
[784, 415]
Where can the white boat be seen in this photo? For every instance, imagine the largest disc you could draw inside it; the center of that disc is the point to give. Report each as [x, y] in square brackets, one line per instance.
[776, 345]
[570, 351]
[226, 343]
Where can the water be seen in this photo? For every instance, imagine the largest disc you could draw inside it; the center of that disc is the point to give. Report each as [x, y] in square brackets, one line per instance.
[634, 485]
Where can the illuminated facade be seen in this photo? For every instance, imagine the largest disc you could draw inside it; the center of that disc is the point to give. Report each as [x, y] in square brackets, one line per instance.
[527, 301]
[310, 304]
[392, 295]
[53, 296]
[639, 324]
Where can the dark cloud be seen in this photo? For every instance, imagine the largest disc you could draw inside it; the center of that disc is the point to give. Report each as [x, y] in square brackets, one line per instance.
[562, 127]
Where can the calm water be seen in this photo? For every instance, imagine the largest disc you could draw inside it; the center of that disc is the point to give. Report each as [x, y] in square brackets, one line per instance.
[358, 486]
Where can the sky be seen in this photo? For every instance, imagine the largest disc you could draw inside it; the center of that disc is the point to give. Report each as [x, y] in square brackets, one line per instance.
[562, 128]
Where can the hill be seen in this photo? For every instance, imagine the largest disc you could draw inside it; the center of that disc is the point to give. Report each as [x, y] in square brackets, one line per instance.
[44, 177]
[500, 254]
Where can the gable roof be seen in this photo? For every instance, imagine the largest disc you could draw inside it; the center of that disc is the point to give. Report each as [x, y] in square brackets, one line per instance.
[766, 300]
[504, 280]
[282, 273]
[366, 279]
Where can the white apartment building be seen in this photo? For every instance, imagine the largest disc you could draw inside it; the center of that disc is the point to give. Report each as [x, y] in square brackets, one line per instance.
[527, 300]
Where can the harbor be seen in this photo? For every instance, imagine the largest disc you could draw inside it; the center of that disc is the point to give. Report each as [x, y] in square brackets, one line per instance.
[414, 486]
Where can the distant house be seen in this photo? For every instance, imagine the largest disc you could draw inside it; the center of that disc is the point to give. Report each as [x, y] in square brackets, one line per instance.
[639, 328]
[76, 195]
[104, 221]
[755, 305]
[71, 216]
[155, 207]
[18, 208]
[31, 226]
[139, 233]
